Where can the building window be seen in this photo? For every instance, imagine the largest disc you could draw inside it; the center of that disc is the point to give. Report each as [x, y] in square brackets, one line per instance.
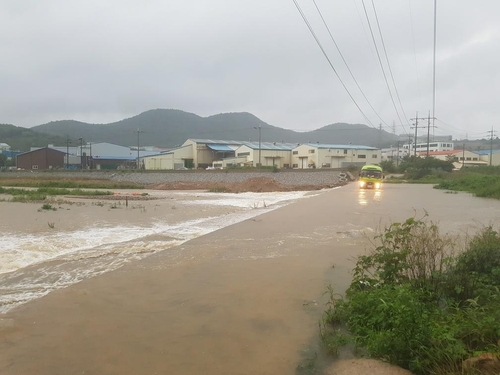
[374, 156]
[295, 152]
[474, 158]
[467, 158]
[243, 153]
[295, 165]
[286, 165]
[345, 152]
[461, 158]
[312, 151]
[361, 156]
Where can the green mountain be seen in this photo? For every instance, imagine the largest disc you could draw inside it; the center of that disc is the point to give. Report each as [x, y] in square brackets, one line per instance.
[19, 138]
[170, 127]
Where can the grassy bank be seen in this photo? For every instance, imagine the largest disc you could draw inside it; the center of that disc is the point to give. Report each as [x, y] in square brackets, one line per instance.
[417, 303]
[476, 182]
[40, 194]
[76, 183]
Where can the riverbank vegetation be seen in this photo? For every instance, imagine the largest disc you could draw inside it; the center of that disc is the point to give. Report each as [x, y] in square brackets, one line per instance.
[482, 181]
[39, 182]
[416, 302]
[40, 194]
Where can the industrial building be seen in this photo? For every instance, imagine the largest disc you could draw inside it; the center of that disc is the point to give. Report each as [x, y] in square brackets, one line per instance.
[209, 153]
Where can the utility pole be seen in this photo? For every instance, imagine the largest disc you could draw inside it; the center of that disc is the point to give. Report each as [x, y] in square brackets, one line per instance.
[397, 156]
[421, 127]
[491, 145]
[67, 152]
[90, 164]
[81, 152]
[260, 144]
[260, 141]
[463, 156]
[138, 148]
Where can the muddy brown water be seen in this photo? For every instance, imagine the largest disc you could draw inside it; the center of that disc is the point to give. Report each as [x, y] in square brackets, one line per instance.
[242, 300]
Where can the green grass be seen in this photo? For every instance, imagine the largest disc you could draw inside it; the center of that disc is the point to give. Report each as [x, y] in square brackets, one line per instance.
[481, 185]
[218, 189]
[70, 184]
[40, 194]
[417, 303]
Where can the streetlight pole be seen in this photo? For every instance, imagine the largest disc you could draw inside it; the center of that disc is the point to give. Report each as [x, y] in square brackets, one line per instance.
[138, 147]
[67, 152]
[260, 142]
[81, 152]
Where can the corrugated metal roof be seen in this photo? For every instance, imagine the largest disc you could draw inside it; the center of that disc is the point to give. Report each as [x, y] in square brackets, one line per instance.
[271, 146]
[348, 147]
[219, 147]
[486, 152]
[216, 141]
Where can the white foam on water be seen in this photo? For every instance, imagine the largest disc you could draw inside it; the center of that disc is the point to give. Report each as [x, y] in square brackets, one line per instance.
[247, 200]
[60, 259]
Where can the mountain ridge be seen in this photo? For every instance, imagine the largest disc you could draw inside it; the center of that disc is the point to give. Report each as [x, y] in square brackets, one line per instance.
[171, 127]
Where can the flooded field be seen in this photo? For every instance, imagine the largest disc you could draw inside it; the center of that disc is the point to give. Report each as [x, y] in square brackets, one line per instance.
[229, 286]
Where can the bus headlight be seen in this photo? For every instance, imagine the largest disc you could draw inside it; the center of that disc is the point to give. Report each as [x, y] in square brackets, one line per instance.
[361, 184]
[377, 185]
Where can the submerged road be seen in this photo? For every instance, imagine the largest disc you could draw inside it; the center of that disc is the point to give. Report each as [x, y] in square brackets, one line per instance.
[242, 300]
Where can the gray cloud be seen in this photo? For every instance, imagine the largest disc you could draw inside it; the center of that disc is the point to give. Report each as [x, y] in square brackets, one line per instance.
[103, 61]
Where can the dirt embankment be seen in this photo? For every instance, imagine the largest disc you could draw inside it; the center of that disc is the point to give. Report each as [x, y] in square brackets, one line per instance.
[257, 184]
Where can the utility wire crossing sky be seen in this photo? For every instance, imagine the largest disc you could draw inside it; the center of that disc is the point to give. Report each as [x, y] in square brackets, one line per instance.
[100, 62]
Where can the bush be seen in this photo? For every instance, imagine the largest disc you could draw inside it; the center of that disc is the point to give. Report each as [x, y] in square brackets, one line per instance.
[414, 304]
[416, 168]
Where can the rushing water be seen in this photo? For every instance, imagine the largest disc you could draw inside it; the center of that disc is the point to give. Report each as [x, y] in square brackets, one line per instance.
[33, 264]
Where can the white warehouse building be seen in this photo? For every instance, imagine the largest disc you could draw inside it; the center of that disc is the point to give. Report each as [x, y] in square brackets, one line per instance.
[317, 155]
[209, 153]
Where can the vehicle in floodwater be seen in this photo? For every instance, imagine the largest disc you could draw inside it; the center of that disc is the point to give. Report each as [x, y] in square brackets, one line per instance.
[370, 177]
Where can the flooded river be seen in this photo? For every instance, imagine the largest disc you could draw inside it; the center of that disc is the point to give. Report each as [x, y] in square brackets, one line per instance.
[245, 299]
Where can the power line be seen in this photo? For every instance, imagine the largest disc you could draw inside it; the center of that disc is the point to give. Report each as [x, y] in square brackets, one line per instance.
[415, 54]
[329, 61]
[388, 63]
[382, 67]
[346, 64]
[434, 66]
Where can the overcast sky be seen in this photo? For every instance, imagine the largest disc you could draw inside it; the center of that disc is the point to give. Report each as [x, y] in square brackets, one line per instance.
[104, 60]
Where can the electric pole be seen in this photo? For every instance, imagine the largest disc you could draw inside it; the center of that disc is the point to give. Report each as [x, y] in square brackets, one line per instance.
[397, 156]
[67, 152]
[138, 148]
[416, 127]
[491, 144]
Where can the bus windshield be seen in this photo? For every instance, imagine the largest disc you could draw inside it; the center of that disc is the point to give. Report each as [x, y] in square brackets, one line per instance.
[370, 174]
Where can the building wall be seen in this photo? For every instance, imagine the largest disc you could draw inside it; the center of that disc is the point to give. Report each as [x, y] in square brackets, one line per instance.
[271, 158]
[174, 159]
[41, 159]
[495, 159]
[308, 156]
[304, 157]
[459, 155]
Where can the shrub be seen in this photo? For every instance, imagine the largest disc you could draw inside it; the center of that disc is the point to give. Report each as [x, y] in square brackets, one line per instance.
[414, 304]
[412, 251]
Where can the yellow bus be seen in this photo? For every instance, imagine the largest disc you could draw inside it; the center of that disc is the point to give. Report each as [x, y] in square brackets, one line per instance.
[371, 176]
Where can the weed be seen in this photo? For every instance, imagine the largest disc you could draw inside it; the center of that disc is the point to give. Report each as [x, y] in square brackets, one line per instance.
[414, 303]
[48, 207]
[51, 225]
[308, 365]
[218, 189]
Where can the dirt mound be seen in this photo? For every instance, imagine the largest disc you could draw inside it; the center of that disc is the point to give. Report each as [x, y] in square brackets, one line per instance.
[256, 184]
[364, 366]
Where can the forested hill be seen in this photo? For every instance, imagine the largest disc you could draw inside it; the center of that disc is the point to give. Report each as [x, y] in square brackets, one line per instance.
[19, 138]
[170, 127]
